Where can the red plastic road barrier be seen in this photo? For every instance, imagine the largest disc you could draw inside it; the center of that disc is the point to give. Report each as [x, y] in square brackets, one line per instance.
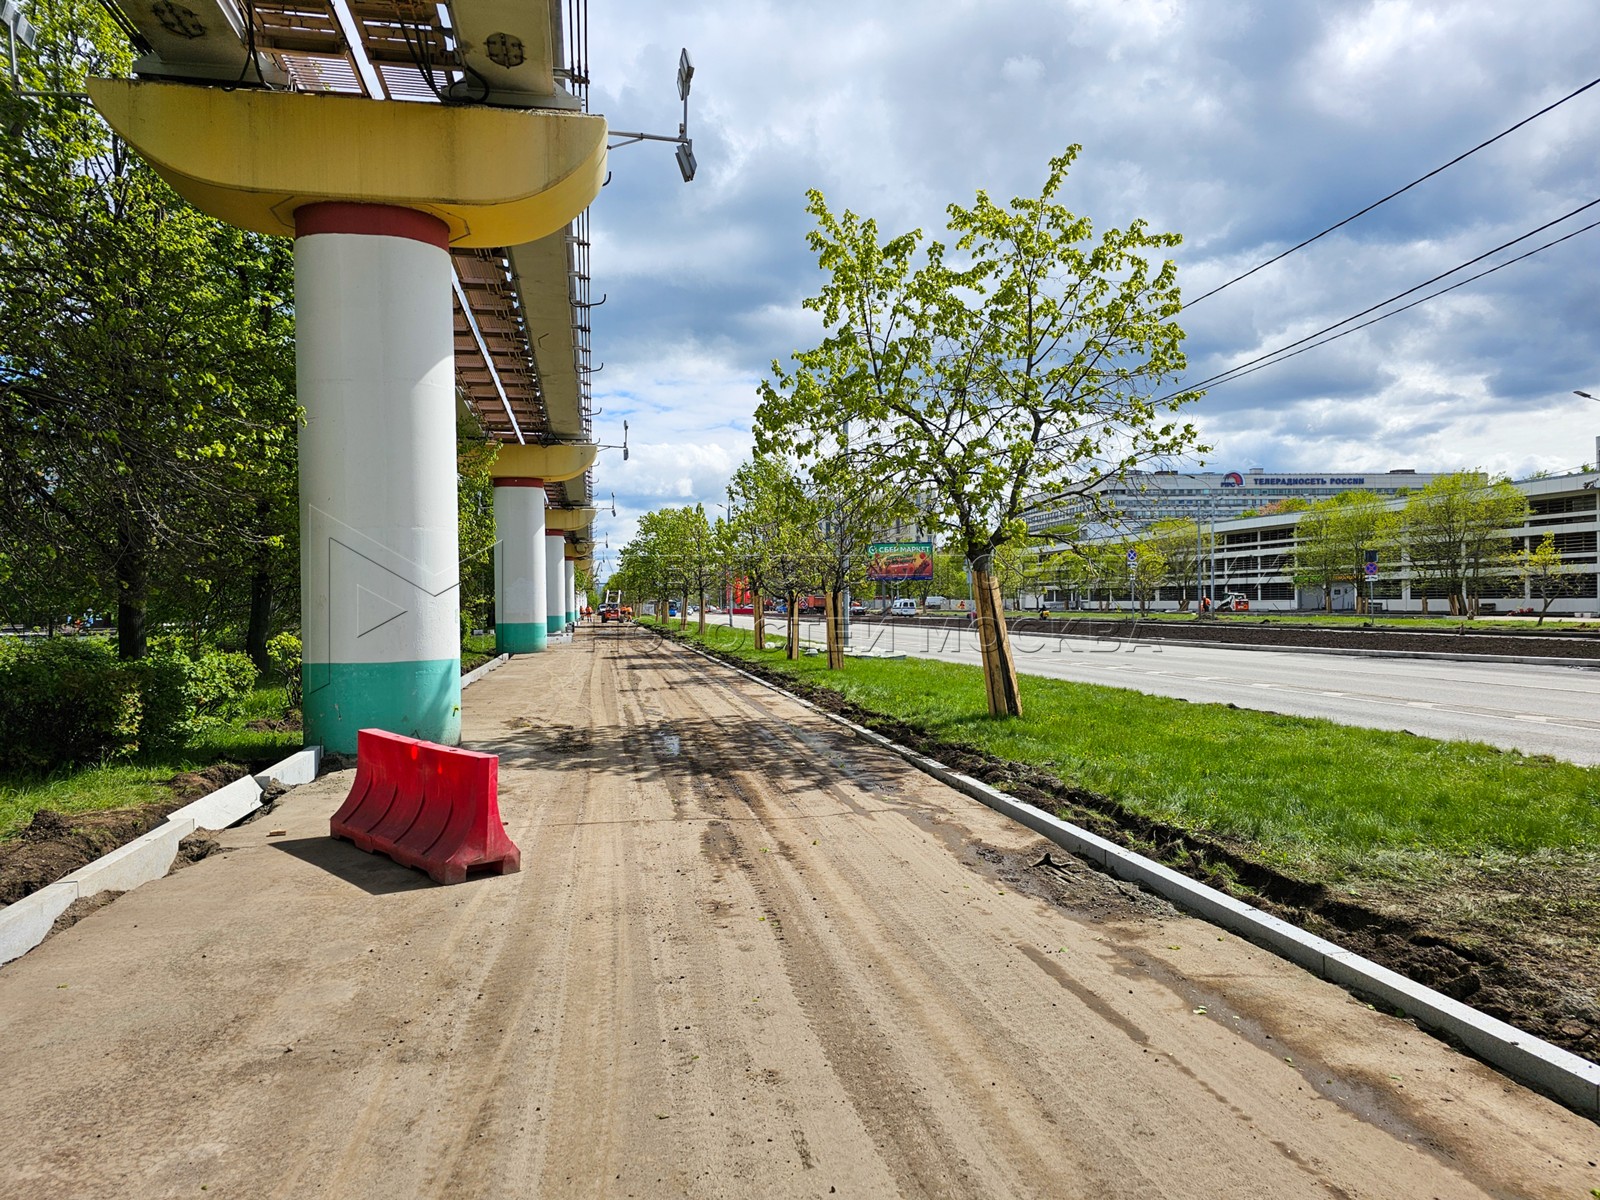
[426, 806]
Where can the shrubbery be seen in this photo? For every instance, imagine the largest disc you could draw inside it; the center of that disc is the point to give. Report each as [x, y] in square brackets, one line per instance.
[183, 696]
[284, 653]
[67, 701]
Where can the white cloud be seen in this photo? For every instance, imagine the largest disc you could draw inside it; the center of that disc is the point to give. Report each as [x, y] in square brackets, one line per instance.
[1244, 125]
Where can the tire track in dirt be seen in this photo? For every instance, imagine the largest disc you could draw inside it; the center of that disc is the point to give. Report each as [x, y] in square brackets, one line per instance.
[1228, 1089]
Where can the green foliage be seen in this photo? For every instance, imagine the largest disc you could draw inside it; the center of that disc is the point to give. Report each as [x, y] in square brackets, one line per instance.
[182, 696]
[1334, 536]
[475, 454]
[283, 655]
[1040, 365]
[1544, 573]
[1455, 535]
[65, 701]
[147, 415]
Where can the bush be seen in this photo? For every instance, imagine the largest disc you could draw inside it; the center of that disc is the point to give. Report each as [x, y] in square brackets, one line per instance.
[66, 700]
[284, 652]
[70, 701]
[183, 695]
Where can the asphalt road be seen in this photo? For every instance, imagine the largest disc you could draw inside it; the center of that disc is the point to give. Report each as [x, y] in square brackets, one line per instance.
[746, 956]
[1535, 709]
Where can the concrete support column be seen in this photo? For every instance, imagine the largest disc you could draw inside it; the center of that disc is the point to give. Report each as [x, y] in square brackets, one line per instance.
[380, 571]
[521, 624]
[555, 553]
[570, 585]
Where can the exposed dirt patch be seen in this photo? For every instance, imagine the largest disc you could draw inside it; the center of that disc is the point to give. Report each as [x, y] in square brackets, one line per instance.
[286, 724]
[1517, 940]
[56, 844]
[199, 844]
[81, 908]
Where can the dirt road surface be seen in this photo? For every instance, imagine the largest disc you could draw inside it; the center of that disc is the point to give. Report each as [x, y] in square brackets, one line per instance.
[746, 956]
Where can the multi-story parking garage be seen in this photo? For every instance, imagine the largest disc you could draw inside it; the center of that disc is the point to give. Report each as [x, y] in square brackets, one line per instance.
[1254, 557]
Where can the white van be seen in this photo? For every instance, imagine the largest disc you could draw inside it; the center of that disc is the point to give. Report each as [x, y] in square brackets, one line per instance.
[905, 606]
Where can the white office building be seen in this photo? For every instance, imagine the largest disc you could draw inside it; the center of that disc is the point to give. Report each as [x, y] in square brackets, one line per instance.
[1254, 558]
[1141, 498]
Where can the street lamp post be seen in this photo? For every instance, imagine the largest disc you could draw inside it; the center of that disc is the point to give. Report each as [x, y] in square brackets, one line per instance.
[1587, 396]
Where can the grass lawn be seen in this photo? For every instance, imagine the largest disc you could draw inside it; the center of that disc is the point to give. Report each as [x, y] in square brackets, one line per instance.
[142, 780]
[1323, 799]
[476, 649]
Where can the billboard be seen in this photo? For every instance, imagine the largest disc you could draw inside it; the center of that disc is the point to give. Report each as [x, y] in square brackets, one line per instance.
[900, 562]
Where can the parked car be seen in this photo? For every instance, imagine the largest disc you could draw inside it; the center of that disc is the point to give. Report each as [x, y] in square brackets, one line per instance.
[905, 606]
[935, 602]
[857, 609]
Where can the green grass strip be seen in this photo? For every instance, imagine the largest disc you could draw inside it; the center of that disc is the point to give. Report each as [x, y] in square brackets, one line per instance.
[1298, 789]
[142, 781]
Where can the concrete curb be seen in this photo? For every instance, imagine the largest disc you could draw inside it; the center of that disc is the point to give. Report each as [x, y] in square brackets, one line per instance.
[26, 923]
[477, 673]
[1587, 664]
[1573, 1080]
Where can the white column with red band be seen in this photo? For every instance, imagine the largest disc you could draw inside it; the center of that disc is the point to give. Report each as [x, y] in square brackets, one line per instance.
[521, 613]
[555, 554]
[375, 362]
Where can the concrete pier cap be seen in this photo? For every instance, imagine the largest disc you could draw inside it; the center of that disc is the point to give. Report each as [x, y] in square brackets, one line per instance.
[555, 463]
[494, 176]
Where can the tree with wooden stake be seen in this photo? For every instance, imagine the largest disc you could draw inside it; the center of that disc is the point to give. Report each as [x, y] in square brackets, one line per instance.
[774, 546]
[1032, 362]
[1544, 572]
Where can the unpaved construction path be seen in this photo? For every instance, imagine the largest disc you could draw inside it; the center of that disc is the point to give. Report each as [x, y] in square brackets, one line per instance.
[746, 956]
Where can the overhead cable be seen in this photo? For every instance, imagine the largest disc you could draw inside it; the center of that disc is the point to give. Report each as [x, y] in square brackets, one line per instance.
[1393, 194]
[1243, 370]
[1222, 375]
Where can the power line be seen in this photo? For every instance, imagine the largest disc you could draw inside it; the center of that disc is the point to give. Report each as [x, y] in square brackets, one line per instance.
[1392, 195]
[1237, 373]
[1261, 358]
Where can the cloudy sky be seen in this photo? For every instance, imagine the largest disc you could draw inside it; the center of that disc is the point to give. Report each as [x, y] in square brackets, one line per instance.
[1244, 125]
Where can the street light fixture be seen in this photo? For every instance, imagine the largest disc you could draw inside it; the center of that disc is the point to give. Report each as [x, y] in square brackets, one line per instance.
[1587, 396]
[685, 143]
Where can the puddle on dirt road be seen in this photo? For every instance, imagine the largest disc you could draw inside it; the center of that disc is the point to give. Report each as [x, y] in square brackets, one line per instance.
[669, 744]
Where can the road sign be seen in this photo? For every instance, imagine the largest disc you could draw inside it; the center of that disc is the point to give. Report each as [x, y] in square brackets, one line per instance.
[1133, 557]
[1372, 568]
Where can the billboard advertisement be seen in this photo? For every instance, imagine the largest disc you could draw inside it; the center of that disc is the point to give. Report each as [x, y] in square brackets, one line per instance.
[900, 562]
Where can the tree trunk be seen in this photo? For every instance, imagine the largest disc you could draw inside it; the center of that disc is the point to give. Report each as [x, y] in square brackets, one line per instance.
[702, 623]
[835, 629]
[758, 618]
[792, 650]
[255, 638]
[133, 590]
[999, 668]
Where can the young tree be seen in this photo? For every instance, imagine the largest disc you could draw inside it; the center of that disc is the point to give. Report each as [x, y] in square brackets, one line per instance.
[1545, 574]
[1038, 365]
[1146, 570]
[773, 546]
[1455, 534]
[854, 509]
[1333, 538]
[1181, 546]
